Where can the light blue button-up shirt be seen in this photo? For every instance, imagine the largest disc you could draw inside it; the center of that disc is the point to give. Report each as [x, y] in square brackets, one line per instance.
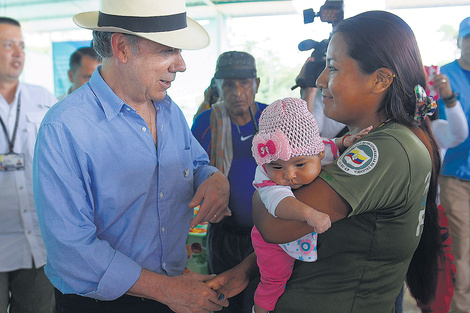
[109, 202]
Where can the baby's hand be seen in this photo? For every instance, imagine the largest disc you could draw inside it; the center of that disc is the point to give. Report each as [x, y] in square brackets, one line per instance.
[319, 221]
[348, 140]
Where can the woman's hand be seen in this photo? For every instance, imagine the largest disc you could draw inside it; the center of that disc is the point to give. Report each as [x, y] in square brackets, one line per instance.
[230, 283]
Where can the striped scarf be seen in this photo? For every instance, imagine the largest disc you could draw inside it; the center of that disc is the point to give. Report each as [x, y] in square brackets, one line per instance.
[221, 140]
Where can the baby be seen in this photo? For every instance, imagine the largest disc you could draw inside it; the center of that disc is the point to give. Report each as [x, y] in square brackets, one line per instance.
[288, 150]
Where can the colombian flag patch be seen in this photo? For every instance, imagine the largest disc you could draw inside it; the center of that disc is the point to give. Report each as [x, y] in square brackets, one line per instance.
[360, 158]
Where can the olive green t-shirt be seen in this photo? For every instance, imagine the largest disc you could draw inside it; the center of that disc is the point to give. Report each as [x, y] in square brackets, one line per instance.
[363, 259]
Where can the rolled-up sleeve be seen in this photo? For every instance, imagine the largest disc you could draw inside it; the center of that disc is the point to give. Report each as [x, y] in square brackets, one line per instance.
[78, 261]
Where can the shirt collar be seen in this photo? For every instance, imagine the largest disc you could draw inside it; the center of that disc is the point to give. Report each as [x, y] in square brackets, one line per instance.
[164, 104]
[110, 102]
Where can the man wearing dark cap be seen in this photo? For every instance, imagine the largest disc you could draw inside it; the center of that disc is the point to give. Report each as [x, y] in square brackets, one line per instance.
[117, 172]
[226, 132]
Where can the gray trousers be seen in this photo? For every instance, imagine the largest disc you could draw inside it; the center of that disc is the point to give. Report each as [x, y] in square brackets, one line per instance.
[26, 291]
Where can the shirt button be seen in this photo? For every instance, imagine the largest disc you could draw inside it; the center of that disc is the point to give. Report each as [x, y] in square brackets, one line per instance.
[163, 229]
[128, 109]
[24, 211]
[164, 265]
[144, 129]
[161, 195]
[21, 187]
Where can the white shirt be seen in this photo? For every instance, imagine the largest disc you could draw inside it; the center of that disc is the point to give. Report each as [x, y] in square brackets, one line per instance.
[20, 236]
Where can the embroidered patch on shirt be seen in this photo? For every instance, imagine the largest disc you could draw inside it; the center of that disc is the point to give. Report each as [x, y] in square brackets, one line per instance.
[360, 159]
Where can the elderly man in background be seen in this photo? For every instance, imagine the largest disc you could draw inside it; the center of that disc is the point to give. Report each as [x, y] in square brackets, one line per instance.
[117, 172]
[226, 132]
[23, 285]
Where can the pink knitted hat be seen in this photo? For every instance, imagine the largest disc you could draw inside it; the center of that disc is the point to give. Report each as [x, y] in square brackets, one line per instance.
[287, 129]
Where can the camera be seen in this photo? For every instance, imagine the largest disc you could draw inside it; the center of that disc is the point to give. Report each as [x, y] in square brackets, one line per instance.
[330, 12]
[214, 91]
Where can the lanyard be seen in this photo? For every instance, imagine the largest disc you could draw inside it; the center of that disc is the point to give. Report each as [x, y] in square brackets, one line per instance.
[11, 143]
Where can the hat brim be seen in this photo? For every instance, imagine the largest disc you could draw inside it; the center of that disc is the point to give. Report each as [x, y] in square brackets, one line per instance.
[193, 37]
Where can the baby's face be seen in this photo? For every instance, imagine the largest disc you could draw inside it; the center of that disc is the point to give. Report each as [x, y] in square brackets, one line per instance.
[296, 172]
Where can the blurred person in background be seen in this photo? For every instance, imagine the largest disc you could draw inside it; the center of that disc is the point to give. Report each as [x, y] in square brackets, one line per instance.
[211, 96]
[82, 64]
[23, 285]
[455, 173]
[328, 127]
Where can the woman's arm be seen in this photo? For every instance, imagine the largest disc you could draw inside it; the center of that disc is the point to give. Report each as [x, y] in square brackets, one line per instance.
[233, 281]
[319, 195]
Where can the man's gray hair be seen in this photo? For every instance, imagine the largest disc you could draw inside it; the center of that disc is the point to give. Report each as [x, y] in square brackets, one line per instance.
[102, 43]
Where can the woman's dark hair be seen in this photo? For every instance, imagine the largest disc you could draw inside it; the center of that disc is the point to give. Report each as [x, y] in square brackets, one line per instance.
[379, 39]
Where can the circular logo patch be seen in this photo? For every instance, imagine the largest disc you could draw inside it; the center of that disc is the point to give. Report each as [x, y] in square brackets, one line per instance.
[359, 159]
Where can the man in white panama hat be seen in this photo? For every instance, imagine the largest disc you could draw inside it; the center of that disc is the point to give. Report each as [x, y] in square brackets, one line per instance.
[117, 171]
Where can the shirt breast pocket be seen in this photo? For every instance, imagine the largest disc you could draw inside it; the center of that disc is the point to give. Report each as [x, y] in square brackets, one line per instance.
[33, 121]
[186, 169]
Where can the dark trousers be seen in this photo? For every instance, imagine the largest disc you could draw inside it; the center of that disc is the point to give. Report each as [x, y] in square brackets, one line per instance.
[26, 291]
[227, 246]
[70, 303]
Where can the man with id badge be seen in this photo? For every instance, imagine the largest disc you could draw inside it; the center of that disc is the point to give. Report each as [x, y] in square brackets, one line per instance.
[23, 284]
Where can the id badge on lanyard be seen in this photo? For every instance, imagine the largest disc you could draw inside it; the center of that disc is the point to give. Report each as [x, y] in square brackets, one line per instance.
[12, 161]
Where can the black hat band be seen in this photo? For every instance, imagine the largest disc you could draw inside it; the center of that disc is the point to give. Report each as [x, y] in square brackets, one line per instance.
[144, 24]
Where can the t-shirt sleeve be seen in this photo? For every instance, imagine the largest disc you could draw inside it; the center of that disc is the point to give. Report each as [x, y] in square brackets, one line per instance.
[331, 152]
[372, 173]
[270, 193]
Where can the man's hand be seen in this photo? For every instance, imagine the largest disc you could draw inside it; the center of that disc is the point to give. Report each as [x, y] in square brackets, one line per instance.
[215, 191]
[189, 294]
[442, 84]
[186, 293]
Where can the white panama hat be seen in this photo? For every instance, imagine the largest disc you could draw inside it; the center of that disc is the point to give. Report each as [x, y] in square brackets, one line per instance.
[162, 21]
